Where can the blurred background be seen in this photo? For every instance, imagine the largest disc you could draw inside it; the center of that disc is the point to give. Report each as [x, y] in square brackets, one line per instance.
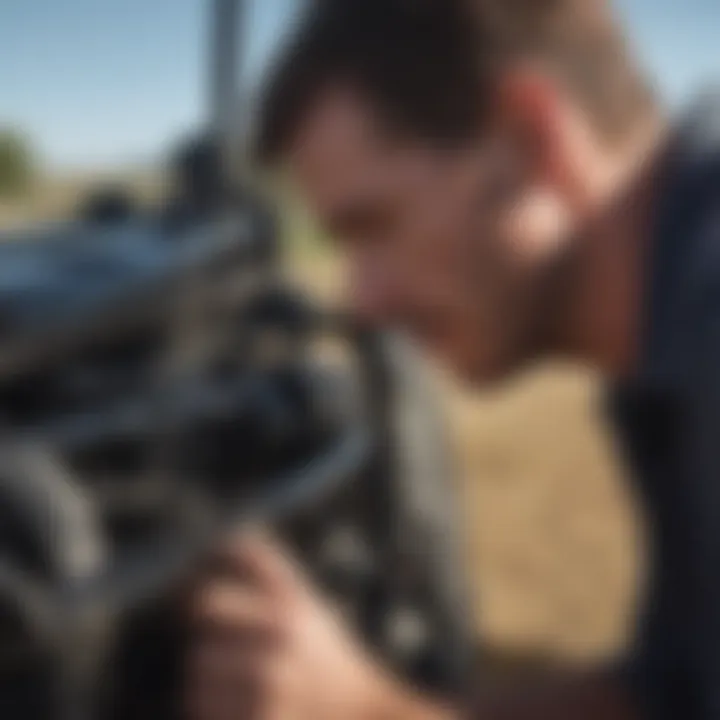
[98, 93]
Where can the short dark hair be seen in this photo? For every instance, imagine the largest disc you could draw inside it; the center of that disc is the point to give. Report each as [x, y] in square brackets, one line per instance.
[428, 65]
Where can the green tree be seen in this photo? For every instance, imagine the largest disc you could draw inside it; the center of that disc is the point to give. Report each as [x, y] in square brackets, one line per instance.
[16, 163]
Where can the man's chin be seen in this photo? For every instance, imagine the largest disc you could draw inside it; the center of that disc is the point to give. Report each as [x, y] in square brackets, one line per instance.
[474, 372]
[470, 368]
[479, 378]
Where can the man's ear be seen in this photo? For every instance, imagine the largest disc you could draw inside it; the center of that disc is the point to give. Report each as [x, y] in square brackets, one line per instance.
[555, 146]
[529, 110]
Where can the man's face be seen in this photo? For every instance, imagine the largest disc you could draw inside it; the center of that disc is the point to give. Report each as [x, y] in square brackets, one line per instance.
[455, 246]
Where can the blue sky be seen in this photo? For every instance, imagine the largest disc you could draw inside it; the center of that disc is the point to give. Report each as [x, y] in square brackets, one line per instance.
[95, 82]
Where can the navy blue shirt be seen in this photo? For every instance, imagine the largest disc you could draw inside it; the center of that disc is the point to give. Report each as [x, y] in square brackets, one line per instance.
[667, 420]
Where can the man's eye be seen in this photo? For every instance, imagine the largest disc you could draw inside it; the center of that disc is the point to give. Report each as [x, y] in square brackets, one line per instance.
[364, 224]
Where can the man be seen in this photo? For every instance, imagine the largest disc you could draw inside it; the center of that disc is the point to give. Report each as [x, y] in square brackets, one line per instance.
[505, 188]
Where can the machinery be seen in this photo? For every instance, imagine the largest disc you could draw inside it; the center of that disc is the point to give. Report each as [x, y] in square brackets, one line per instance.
[162, 384]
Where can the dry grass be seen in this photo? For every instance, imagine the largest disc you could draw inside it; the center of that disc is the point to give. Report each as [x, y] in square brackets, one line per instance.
[57, 198]
[551, 535]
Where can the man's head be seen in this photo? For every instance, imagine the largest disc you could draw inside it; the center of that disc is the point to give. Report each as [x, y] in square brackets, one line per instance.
[453, 148]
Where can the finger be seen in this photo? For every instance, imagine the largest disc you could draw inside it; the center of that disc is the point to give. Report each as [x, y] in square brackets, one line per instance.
[232, 607]
[227, 702]
[223, 680]
[218, 563]
[213, 568]
[259, 558]
[226, 662]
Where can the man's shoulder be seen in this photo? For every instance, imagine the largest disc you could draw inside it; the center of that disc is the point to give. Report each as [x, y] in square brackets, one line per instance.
[689, 213]
[685, 291]
[698, 182]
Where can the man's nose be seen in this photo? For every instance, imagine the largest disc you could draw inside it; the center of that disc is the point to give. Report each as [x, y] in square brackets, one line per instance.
[370, 294]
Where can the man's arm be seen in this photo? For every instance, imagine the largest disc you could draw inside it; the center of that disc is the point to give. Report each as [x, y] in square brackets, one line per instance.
[590, 696]
[267, 647]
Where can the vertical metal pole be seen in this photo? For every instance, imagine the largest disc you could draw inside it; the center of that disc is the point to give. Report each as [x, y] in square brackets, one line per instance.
[226, 36]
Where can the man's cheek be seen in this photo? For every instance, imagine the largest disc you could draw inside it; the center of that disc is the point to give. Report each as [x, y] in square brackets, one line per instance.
[368, 288]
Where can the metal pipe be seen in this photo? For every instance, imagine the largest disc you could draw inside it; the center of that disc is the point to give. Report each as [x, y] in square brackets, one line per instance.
[226, 38]
[139, 577]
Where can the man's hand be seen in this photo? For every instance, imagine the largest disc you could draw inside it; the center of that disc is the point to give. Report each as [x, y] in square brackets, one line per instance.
[267, 648]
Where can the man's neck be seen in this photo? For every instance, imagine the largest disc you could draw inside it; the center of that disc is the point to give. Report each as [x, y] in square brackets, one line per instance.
[601, 321]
